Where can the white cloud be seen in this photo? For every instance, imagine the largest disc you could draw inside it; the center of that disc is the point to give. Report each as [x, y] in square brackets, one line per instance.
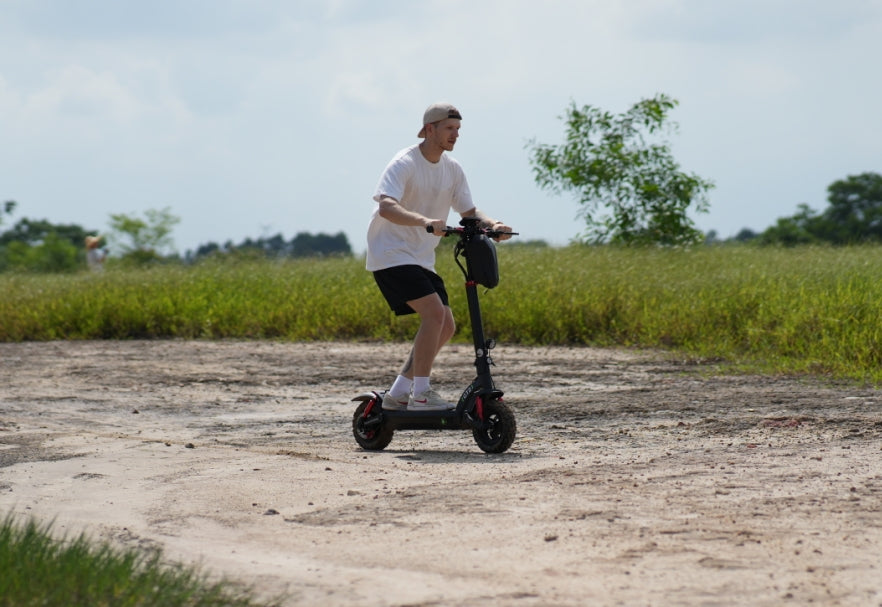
[76, 95]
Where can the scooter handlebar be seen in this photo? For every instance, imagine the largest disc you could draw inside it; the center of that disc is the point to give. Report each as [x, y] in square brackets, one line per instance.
[454, 230]
[446, 230]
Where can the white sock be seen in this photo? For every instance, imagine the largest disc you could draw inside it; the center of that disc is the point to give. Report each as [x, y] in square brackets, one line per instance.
[420, 384]
[401, 387]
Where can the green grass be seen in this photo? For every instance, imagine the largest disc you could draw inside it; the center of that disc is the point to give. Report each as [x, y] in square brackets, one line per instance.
[304, 300]
[803, 310]
[809, 310]
[37, 569]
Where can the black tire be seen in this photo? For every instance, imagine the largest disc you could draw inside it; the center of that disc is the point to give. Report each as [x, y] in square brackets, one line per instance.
[501, 428]
[370, 438]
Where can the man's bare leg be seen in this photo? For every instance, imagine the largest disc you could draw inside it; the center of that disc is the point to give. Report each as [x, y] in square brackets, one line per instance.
[436, 328]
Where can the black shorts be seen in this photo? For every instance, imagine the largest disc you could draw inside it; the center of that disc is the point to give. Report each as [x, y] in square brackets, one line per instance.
[401, 284]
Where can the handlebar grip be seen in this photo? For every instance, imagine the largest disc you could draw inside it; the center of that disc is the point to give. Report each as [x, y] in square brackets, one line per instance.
[430, 229]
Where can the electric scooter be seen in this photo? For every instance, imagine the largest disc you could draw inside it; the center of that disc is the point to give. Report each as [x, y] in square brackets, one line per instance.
[480, 407]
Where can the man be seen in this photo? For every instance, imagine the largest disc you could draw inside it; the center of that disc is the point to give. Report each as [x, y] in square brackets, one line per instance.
[417, 190]
[94, 255]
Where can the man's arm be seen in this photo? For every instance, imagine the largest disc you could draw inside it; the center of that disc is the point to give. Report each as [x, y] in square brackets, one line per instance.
[397, 214]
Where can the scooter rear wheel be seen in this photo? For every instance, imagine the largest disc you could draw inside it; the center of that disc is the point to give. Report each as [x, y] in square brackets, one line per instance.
[499, 432]
[370, 432]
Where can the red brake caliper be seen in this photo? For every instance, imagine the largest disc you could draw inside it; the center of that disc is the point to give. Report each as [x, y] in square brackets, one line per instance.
[367, 411]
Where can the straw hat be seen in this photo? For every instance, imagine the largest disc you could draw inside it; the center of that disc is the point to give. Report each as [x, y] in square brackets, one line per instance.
[92, 242]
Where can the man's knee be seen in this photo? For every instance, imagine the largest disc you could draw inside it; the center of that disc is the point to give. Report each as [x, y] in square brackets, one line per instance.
[449, 324]
[430, 309]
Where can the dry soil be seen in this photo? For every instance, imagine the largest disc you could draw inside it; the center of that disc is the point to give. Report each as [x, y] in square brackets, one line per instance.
[635, 478]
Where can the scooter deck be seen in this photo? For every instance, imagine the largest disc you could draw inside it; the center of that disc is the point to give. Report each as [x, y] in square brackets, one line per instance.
[401, 419]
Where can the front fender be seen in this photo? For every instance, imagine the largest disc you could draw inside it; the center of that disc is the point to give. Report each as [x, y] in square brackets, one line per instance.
[366, 396]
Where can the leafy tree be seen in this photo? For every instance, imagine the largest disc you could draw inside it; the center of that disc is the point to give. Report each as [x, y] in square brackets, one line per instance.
[7, 209]
[36, 245]
[53, 254]
[745, 235]
[207, 249]
[792, 231]
[275, 246]
[143, 240]
[854, 215]
[855, 211]
[620, 163]
[34, 231]
[303, 244]
[307, 245]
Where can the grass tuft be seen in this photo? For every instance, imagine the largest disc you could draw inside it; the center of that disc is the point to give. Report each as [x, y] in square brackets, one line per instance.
[39, 569]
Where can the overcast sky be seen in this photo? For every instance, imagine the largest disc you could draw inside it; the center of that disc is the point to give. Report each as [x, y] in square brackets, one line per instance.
[250, 118]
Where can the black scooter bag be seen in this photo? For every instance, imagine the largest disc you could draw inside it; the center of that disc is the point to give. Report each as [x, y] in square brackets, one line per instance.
[481, 255]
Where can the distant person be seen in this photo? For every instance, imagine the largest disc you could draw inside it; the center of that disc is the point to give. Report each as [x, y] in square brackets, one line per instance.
[95, 256]
[417, 189]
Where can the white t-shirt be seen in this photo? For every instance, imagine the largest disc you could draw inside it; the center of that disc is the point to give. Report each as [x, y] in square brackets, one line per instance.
[95, 257]
[430, 189]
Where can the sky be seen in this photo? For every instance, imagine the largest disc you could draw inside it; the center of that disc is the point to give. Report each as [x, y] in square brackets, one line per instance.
[250, 118]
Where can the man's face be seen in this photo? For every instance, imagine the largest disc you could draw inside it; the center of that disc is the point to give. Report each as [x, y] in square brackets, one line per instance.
[445, 133]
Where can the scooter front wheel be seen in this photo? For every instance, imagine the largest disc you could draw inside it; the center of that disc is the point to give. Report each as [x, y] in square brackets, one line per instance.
[497, 433]
[370, 432]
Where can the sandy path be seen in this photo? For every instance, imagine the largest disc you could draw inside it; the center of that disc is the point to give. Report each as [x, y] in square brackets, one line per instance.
[634, 480]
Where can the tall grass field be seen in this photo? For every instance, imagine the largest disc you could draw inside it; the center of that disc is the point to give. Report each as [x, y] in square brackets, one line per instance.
[809, 310]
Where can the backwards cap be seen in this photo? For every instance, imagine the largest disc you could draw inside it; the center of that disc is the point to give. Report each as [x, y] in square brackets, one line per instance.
[436, 113]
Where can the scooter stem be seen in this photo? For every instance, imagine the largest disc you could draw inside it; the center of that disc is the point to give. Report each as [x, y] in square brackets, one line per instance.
[482, 352]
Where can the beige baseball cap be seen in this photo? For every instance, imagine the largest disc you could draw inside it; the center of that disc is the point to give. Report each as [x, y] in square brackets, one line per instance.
[437, 112]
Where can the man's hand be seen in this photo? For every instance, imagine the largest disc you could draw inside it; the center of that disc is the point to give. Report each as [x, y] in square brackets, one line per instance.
[498, 226]
[437, 225]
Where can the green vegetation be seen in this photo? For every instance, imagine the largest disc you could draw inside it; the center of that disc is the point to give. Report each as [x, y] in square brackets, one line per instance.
[792, 310]
[39, 246]
[143, 240]
[631, 188]
[296, 299]
[853, 216]
[803, 310]
[37, 569]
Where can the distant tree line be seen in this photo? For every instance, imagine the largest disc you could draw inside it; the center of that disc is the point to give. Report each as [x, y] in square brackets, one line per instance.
[40, 246]
[303, 244]
[32, 245]
[853, 216]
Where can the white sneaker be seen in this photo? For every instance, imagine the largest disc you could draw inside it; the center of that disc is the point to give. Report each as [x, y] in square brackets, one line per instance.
[428, 401]
[395, 403]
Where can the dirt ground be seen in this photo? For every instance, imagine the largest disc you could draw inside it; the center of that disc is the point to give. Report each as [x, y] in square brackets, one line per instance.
[635, 479]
